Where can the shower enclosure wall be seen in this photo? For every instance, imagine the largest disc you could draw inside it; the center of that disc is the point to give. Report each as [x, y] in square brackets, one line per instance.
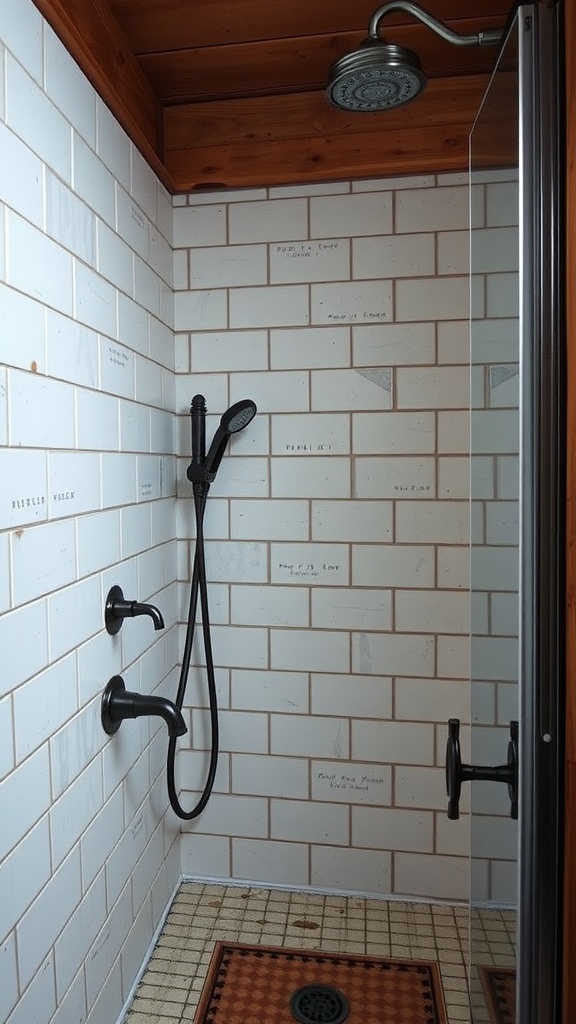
[89, 857]
[339, 527]
[337, 533]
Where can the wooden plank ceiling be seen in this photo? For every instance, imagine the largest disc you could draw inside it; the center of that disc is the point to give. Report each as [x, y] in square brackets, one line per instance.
[231, 93]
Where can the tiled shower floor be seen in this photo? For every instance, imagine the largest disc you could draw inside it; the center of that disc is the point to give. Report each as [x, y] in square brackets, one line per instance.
[203, 913]
[493, 938]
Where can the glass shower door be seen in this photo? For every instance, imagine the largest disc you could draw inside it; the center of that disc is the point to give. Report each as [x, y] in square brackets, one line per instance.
[494, 540]
[516, 534]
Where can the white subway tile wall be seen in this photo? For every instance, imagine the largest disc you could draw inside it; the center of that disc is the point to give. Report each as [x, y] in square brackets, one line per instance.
[347, 564]
[338, 530]
[88, 855]
[361, 523]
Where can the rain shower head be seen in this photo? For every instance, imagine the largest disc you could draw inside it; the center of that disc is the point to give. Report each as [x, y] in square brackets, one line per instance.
[380, 75]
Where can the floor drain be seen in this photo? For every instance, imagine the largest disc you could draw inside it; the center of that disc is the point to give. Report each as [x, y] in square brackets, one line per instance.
[319, 1004]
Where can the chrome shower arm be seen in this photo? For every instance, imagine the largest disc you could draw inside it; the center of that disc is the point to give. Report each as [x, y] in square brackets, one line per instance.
[491, 37]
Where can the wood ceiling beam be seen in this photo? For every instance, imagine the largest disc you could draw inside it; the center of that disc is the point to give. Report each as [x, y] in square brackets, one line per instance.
[364, 155]
[308, 114]
[299, 138]
[263, 139]
[298, 64]
[153, 26]
[92, 36]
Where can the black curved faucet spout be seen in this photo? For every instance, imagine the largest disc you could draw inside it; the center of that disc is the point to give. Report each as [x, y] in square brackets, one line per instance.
[118, 703]
[118, 608]
[137, 608]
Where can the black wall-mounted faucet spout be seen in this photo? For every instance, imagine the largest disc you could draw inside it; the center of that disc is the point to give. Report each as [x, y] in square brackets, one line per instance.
[117, 609]
[118, 703]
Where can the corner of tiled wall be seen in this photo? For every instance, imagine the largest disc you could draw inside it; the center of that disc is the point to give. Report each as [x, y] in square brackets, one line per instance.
[88, 856]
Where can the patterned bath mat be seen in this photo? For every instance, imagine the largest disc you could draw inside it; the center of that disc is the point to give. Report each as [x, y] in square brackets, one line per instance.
[499, 984]
[264, 985]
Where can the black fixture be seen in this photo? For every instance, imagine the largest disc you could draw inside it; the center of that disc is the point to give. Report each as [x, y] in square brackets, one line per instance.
[117, 609]
[319, 1003]
[201, 473]
[380, 75]
[119, 703]
[457, 773]
[203, 468]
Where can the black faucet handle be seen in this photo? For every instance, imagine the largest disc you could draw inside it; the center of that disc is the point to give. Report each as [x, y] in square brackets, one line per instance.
[457, 772]
[117, 608]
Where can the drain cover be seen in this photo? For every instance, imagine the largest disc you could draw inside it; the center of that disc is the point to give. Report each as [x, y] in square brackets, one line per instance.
[319, 1004]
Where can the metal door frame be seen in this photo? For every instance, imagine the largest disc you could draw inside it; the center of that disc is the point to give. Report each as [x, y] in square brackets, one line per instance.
[542, 561]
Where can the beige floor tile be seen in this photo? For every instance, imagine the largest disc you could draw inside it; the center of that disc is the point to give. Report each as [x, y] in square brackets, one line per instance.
[205, 913]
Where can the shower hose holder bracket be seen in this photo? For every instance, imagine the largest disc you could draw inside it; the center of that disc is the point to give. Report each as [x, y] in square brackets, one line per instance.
[198, 474]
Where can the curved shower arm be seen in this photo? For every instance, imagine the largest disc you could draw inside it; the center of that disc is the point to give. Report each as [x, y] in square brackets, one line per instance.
[491, 37]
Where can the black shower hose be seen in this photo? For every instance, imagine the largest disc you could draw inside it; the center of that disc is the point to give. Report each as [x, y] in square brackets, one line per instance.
[198, 588]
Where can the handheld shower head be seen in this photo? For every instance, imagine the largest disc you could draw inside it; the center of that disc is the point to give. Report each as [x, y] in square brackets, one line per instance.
[238, 416]
[234, 419]
[203, 468]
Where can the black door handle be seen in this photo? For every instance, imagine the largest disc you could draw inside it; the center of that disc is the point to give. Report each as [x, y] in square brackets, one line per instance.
[457, 773]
